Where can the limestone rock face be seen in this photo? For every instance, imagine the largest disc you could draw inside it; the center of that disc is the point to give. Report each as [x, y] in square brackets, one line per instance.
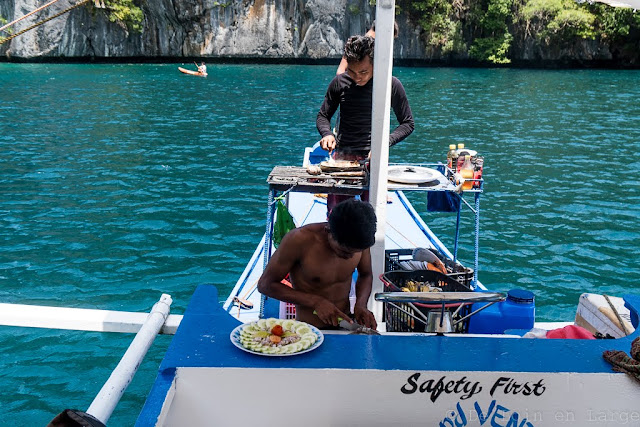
[191, 28]
[248, 29]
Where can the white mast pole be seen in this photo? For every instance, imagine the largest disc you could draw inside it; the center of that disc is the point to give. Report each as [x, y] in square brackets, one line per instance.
[382, 67]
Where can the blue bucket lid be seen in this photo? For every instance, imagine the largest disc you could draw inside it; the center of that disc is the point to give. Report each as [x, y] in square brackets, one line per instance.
[520, 296]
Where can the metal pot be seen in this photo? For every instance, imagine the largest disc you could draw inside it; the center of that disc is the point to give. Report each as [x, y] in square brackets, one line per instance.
[439, 321]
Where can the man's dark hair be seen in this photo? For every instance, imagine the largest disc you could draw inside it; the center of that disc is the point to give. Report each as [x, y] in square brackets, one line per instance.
[352, 223]
[358, 47]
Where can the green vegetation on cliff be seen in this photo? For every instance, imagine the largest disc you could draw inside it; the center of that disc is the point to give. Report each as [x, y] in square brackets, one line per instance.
[497, 31]
[126, 13]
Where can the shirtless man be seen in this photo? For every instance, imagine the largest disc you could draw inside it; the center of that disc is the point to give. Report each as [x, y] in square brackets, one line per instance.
[320, 259]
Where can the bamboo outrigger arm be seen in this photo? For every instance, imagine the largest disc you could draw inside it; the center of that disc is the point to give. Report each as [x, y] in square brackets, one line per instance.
[80, 319]
[105, 402]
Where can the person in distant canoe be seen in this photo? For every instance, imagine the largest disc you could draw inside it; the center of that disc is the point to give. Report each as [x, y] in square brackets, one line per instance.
[352, 91]
[320, 260]
[371, 33]
[202, 69]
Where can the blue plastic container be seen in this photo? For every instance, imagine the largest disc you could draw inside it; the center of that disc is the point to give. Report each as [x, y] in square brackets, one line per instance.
[516, 312]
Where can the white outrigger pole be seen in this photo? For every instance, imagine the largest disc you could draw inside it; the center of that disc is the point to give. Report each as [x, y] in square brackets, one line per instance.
[105, 402]
[382, 67]
[147, 326]
[79, 319]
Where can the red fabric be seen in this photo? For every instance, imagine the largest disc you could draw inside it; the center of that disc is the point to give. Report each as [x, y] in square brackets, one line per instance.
[286, 282]
[571, 332]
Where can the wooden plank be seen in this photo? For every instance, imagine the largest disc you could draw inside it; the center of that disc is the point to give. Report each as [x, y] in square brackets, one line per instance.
[297, 179]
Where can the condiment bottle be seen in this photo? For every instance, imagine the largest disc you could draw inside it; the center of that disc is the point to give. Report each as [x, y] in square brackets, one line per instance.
[452, 156]
[477, 173]
[466, 171]
[461, 152]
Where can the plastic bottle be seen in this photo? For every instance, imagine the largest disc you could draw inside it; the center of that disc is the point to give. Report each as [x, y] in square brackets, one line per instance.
[452, 156]
[477, 172]
[466, 171]
[516, 312]
[461, 152]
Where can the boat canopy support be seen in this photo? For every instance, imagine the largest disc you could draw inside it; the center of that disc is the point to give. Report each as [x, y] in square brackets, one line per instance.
[380, 124]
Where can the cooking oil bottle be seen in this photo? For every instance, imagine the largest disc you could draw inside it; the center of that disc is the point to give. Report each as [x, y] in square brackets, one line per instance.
[460, 153]
[452, 157]
[477, 174]
[466, 171]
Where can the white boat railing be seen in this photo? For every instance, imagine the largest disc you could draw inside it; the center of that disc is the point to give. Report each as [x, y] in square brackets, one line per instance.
[105, 402]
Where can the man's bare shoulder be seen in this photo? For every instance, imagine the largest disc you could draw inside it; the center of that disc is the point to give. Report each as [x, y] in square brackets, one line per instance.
[309, 231]
[305, 234]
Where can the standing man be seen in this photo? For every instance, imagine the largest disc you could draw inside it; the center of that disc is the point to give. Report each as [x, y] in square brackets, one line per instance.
[320, 259]
[353, 93]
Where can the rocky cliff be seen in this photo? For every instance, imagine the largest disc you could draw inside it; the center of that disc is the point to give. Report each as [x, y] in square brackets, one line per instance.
[306, 29]
[258, 30]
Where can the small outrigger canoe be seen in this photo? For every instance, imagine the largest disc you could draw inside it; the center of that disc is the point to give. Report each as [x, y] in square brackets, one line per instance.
[191, 72]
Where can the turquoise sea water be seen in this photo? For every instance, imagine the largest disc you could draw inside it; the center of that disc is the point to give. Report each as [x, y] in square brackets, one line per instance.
[122, 182]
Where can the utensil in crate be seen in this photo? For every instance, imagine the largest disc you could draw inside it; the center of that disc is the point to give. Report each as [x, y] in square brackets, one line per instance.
[410, 317]
[403, 259]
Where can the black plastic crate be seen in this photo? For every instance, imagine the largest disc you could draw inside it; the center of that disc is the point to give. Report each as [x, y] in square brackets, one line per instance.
[392, 257]
[402, 317]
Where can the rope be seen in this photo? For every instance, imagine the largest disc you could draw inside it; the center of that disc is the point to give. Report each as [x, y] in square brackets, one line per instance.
[622, 325]
[2, 41]
[28, 14]
[282, 196]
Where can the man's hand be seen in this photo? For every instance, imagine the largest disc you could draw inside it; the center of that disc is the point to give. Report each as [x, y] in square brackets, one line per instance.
[328, 312]
[328, 143]
[365, 317]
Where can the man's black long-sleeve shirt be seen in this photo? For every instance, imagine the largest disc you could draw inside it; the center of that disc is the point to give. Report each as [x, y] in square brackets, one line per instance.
[355, 102]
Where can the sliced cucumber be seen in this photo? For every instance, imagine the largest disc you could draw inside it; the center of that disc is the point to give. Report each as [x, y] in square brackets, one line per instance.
[304, 329]
[289, 349]
[310, 336]
[272, 350]
[287, 324]
[270, 322]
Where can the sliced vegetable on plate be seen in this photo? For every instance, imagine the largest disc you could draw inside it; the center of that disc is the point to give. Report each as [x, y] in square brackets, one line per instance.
[276, 337]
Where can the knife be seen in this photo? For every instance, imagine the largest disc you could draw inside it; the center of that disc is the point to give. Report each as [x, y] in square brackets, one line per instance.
[354, 327]
[357, 328]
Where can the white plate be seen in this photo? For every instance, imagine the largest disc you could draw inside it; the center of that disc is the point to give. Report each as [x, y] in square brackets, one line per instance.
[235, 339]
[412, 174]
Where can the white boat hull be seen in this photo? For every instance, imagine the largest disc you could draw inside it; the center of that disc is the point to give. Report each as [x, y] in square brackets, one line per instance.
[391, 379]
